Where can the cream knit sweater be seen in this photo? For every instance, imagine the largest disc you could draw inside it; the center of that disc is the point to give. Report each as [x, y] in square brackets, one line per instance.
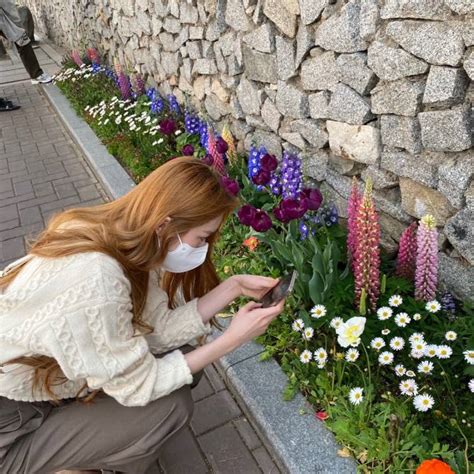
[77, 309]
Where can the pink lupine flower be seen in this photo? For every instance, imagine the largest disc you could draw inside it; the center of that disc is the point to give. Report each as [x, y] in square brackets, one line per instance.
[352, 208]
[406, 257]
[139, 84]
[124, 85]
[76, 57]
[93, 56]
[366, 262]
[217, 158]
[426, 274]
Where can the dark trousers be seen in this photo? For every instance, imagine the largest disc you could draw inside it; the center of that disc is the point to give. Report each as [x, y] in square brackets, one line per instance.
[29, 60]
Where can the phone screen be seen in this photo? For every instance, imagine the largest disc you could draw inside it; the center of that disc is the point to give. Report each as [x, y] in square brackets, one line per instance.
[280, 291]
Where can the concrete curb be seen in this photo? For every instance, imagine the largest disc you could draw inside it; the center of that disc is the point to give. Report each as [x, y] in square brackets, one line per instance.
[109, 172]
[300, 443]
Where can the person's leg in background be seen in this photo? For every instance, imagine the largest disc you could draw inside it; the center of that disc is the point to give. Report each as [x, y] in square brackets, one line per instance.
[14, 30]
[29, 60]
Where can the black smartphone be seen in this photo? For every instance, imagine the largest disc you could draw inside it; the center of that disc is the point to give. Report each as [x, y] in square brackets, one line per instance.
[280, 291]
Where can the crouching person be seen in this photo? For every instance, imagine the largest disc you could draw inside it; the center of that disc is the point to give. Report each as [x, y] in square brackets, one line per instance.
[95, 373]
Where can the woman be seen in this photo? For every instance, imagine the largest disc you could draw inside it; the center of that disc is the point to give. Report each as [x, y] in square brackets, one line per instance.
[85, 313]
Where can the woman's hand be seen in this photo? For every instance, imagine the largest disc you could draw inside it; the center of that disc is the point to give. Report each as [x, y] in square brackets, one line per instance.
[254, 286]
[248, 323]
[251, 321]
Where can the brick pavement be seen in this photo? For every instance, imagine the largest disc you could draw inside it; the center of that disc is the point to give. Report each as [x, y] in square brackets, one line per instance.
[43, 172]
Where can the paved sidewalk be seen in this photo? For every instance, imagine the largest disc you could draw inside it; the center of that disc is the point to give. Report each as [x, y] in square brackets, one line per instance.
[43, 172]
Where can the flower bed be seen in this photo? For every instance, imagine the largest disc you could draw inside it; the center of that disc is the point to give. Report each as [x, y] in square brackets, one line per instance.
[385, 359]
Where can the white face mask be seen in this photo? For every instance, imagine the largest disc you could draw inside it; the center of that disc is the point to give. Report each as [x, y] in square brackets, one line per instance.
[184, 258]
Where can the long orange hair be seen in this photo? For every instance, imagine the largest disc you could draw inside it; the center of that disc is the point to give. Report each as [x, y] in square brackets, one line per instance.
[184, 189]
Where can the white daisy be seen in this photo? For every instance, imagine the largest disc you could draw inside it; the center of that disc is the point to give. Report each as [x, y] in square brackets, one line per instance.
[336, 322]
[298, 325]
[408, 387]
[118, 120]
[400, 370]
[425, 367]
[444, 352]
[431, 350]
[320, 356]
[419, 346]
[397, 343]
[450, 336]
[469, 356]
[87, 107]
[417, 354]
[306, 356]
[416, 316]
[410, 373]
[384, 313]
[386, 358]
[308, 333]
[395, 300]
[402, 319]
[352, 355]
[471, 385]
[423, 402]
[178, 132]
[377, 343]
[416, 337]
[356, 395]
[385, 332]
[106, 121]
[318, 311]
[433, 306]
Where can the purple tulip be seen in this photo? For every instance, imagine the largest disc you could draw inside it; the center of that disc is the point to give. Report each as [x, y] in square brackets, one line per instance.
[230, 185]
[247, 214]
[188, 150]
[313, 198]
[293, 208]
[280, 215]
[167, 126]
[261, 221]
[221, 145]
[262, 177]
[268, 162]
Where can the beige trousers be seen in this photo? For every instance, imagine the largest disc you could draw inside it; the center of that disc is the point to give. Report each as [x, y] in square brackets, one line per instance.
[40, 439]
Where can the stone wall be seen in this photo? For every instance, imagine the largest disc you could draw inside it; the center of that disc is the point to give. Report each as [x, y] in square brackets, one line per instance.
[369, 88]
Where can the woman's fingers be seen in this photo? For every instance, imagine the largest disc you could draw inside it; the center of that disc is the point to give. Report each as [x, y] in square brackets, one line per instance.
[251, 305]
[272, 311]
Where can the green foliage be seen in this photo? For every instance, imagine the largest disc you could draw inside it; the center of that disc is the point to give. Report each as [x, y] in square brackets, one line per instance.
[383, 433]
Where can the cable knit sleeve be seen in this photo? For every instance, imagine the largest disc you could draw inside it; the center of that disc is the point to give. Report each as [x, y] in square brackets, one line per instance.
[172, 327]
[96, 341]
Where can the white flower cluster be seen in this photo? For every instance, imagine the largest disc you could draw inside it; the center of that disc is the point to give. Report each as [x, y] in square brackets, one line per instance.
[122, 112]
[72, 74]
[349, 336]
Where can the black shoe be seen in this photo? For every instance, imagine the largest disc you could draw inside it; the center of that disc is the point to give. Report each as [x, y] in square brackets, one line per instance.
[7, 105]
